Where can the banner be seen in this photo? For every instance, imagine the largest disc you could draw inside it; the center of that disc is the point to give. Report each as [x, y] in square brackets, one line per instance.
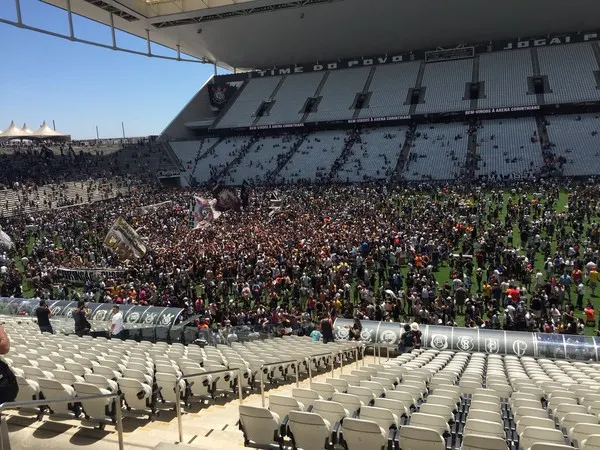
[203, 213]
[5, 241]
[124, 240]
[220, 94]
[226, 199]
[275, 205]
[82, 275]
[143, 210]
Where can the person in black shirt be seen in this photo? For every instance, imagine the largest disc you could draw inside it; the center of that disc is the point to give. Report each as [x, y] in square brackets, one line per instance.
[43, 315]
[327, 330]
[82, 326]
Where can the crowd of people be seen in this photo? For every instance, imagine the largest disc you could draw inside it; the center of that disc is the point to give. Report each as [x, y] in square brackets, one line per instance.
[513, 258]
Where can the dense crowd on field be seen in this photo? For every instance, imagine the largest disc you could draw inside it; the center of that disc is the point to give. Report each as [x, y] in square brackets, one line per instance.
[429, 254]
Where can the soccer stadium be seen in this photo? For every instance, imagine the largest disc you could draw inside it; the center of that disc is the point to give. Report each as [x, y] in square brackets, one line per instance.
[376, 226]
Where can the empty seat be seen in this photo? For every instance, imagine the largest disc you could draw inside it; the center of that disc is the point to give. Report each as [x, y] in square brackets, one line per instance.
[437, 423]
[305, 396]
[332, 412]
[100, 408]
[525, 422]
[325, 390]
[138, 396]
[53, 390]
[385, 418]
[591, 443]
[282, 405]
[572, 419]
[582, 431]
[419, 438]
[365, 395]
[259, 426]
[310, 431]
[396, 406]
[338, 384]
[532, 435]
[363, 434]
[483, 442]
[166, 383]
[351, 402]
[475, 426]
[28, 389]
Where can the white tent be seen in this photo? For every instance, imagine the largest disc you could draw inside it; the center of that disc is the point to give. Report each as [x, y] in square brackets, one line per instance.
[13, 132]
[26, 130]
[45, 132]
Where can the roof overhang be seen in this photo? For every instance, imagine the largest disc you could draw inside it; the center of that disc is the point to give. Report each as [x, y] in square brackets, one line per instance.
[267, 33]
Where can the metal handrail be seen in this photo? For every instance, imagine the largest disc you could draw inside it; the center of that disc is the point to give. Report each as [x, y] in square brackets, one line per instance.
[25, 403]
[262, 381]
[199, 374]
[314, 356]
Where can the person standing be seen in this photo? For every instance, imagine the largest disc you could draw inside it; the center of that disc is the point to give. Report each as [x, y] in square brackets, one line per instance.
[43, 315]
[116, 326]
[82, 326]
[327, 330]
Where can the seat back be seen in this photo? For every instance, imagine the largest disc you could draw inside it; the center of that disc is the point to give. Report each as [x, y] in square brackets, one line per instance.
[533, 435]
[332, 412]
[591, 443]
[282, 405]
[395, 406]
[53, 390]
[310, 431]
[365, 395]
[483, 442]
[338, 384]
[97, 408]
[363, 434]
[325, 390]
[419, 438]
[475, 426]
[381, 416]
[351, 402]
[259, 425]
[305, 396]
[582, 431]
[437, 423]
[528, 421]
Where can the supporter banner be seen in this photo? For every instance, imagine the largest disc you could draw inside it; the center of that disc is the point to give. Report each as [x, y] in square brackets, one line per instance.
[226, 199]
[5, 240]
[143, 210]
[133, 315]
[124, 240]
[83, 275]
[202, 212]
[497, 342]
[437, 54]
[502, 110]
[220, 94]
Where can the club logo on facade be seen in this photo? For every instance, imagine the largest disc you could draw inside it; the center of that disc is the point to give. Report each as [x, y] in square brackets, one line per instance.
[133, 317]
[342, 333]
[388, 337]
[439, 341]
[519, 347]
[220, 94]
[465, 343]
[149, 318]
[366, 335]
[100, 315]
[492, 345]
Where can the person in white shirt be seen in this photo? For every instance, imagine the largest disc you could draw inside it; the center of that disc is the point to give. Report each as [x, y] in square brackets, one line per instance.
[116, 325]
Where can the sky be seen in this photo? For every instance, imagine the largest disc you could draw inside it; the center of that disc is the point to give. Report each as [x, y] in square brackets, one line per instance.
[80, 86]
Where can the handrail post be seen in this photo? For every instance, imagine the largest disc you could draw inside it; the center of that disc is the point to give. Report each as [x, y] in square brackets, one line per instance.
[332, 364]
[262, 386]
[178, 408]
[379, 352]
[296, 367]
[341, 363]
[310, 369]
[240, 391]
[356, 357]
[4, 440]
[364, 348]
[119, 418]
[388, 351]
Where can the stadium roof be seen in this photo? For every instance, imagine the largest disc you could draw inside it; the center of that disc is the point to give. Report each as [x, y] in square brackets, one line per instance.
[267, 33]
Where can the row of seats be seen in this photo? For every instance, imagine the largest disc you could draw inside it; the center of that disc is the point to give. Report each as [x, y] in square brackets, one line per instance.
[146, 374]
[439, 401]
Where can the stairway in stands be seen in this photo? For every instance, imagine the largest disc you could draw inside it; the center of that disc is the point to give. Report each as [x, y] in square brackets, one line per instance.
[472, 158]
[243, 152]
[209, 151]
[351, 139]
[403, 158]
[271, 176]
[543, 134]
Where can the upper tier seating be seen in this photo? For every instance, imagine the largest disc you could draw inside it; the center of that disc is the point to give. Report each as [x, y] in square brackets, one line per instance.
[223, 154]
[241, 114]
[577, 139]
[445, 84]
[505, 76]
[505, 148]
[389, 90]
[438, 152]
[570, 70]
[291, 97]
[338, 94]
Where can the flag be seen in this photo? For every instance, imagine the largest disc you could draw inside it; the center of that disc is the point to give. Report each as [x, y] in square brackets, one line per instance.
[275, 205]
[5, 241]
[124, 240]
[226, 199]
[203, 212]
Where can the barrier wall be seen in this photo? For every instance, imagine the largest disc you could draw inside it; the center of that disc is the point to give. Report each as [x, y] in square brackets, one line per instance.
[538, 345]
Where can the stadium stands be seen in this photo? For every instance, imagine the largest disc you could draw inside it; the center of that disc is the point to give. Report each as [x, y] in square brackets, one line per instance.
[444, 85]
[505, 77]
[508, 146]
[576, 139]
[570, 70]
[438, 152]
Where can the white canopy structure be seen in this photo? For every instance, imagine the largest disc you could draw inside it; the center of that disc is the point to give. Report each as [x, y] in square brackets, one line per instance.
[26, 130]
[13, 132]
[45, 132]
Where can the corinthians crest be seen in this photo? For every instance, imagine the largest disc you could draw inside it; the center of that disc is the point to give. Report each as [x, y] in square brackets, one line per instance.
[220, 94]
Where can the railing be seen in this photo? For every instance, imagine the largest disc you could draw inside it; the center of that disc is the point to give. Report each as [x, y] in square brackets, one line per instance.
[192, 375]
[294, 362]
[377, 346]
[308, 358]
[4, 439]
